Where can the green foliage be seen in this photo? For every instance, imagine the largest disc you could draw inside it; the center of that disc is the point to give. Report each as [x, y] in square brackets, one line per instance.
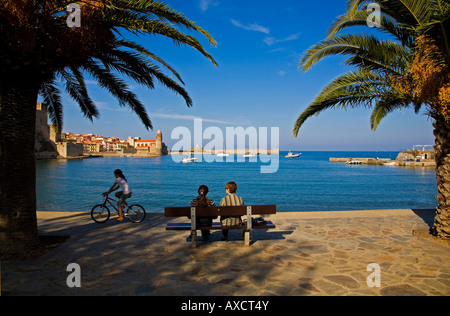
[375, 62]
[36, 42]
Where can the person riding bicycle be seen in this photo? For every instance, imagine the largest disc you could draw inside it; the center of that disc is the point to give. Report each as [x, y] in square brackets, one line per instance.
[122, 183]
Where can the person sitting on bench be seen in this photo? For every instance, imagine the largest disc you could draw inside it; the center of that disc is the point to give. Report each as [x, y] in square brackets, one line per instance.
[230, 200]
[203, 201]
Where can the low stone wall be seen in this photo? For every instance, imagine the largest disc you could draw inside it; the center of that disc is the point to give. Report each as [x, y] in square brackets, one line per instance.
[368, 161]
[428, 163]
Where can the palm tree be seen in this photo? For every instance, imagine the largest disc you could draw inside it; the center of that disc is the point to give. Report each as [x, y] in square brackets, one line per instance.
[38, 50]
[408, 67]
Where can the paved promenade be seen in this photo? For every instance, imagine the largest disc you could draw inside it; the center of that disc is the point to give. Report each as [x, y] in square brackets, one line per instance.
[316, 253]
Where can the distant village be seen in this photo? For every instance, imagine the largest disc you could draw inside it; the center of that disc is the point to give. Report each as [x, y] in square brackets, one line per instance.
[50, 144]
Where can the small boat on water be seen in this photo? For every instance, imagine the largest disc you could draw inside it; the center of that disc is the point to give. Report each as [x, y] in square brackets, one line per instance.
[353, 162]
[392, 163]
[291, 155]
[188, 159]
[222, 154]
[248, 155]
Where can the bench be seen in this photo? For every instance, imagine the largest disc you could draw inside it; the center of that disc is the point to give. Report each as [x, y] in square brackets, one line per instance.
[213, 211]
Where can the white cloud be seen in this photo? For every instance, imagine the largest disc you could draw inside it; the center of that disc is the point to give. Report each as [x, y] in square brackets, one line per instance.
[190, 118]
[104, 106]
[252, 27]
[272, 40]
[277, 50]
[269, 40]
[205, 4]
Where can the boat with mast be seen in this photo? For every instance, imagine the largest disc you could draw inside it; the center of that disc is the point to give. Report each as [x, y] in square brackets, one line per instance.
[291, 155]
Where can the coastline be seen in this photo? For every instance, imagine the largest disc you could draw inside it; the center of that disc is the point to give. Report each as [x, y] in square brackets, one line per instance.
[384, 213]
[118, 154]
[428, 163]
[315, 184]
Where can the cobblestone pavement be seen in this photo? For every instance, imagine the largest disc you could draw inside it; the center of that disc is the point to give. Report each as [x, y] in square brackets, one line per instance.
[313, 253]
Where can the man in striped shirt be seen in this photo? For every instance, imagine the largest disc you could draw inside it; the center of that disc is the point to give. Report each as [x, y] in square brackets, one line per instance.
[230, 200]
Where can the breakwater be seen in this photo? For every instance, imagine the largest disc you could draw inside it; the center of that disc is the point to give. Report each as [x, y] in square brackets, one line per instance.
[259, 151]
[428, 163]
[366, 161]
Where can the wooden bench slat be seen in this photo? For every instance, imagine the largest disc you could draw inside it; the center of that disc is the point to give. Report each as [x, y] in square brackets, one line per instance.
[220, 210]
[216, 226]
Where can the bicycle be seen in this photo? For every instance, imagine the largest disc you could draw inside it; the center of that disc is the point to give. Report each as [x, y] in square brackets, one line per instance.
[101, 214]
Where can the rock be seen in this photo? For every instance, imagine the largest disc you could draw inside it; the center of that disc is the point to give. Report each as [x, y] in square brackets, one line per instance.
[401, 290]
[343, 280]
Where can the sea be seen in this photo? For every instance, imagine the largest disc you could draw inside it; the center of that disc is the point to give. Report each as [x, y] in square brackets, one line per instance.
[306, 184]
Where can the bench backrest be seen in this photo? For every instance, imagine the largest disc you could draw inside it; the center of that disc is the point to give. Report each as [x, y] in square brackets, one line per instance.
[220, 210]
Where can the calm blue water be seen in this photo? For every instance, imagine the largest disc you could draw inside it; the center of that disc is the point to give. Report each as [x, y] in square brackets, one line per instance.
[310, 183]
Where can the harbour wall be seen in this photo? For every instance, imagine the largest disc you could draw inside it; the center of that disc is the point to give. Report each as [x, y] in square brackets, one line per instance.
[428, 163]
[368, 161]
[275, 151]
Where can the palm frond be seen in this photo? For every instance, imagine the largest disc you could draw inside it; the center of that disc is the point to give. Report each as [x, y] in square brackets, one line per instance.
[140, 69]
[145, 23]
[110, 58]
[76, 88]
[416, 17]
[52, 99]
[119, 89]
[350, 90]
[376, 60]
[388, 102]
[387, 25]
[151, 8]
[141, 49]
[407, 12]
[366, 51]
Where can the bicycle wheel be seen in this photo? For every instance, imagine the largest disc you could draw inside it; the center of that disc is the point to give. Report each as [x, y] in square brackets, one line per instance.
[135, 213]
[100, 213]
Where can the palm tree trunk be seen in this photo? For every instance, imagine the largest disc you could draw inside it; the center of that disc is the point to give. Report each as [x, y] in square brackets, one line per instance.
[442, 150]
[18, 223]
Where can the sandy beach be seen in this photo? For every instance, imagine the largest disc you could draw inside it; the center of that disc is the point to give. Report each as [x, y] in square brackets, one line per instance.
[309, 253]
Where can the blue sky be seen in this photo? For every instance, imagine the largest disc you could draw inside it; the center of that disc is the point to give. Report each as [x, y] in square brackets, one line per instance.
[257, 83]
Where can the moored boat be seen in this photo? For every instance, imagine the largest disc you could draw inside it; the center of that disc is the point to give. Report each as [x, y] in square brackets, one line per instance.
[222, 154]
[392, 163]
[291, 155]
[188, 159]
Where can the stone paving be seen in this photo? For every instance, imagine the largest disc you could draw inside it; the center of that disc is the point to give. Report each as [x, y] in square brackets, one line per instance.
[313, 253]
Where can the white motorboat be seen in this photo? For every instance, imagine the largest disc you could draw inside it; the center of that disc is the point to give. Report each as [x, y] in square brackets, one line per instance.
[248, 155]
[188, 159]
[222, 154]
[353, 162]
[291, 155]
[392, 163]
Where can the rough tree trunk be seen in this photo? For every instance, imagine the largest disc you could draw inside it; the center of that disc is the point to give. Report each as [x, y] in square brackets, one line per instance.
[18, 223]
[441, 226]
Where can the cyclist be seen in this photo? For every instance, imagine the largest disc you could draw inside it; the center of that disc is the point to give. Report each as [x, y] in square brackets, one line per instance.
[122, 183]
